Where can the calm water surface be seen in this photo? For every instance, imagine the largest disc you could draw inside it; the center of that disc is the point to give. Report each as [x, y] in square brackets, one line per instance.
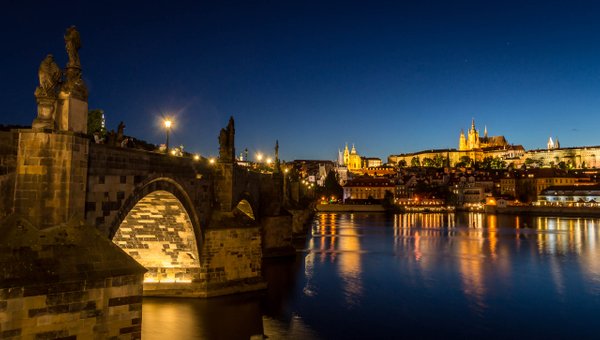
[373, 276]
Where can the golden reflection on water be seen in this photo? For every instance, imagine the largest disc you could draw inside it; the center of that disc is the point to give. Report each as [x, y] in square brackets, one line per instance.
[349, 265]
[482, 247]
[339, 242]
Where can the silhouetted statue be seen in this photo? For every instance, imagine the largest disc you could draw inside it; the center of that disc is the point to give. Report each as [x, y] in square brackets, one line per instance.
[120, 130]
[73, 83]
[111, 138]
[46, 93]
[72, 44]
[276, 167]
[49, 75]
[227, 143]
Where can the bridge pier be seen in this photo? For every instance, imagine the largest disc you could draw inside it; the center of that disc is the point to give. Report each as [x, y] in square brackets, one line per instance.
[51, 176]
[230, 263]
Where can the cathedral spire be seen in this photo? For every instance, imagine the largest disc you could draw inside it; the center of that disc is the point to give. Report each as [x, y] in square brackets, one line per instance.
[473, 124]
[485, 131]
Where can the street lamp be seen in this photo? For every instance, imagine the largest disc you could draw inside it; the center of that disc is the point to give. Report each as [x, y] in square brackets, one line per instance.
[168, 124]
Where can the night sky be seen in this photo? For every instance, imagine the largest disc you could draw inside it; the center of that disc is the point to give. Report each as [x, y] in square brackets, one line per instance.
[390, 77]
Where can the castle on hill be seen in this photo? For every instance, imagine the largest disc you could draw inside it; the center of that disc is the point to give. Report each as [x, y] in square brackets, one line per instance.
[477, 148]
[473, 141]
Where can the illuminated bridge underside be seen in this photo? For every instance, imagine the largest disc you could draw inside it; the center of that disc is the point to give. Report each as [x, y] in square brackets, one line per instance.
[158, 234]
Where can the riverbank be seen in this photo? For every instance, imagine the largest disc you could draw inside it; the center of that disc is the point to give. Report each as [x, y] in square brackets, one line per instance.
[544, 211]
[350, 208]
[511, 210]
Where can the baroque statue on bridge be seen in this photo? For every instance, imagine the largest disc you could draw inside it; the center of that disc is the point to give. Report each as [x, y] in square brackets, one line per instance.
[46, 93]
[49, 75]
[227, 143]
[74, 83]
[73, 44]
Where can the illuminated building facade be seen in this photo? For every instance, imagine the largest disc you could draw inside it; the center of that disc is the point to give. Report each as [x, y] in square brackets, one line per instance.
[367, 188]
[472, 141]
[352, 159]
[576, 157]
[570, 195]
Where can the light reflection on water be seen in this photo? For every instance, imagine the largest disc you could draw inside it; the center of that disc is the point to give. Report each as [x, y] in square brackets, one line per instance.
[418, 275]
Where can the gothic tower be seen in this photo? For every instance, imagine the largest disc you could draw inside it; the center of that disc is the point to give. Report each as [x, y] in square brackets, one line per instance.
[462, 141]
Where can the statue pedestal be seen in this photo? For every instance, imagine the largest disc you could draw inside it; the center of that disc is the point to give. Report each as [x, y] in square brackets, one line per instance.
[71, 114]
[51, 176]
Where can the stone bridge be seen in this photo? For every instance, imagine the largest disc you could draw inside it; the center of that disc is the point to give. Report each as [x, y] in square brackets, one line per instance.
[199, 228]
[75, 214]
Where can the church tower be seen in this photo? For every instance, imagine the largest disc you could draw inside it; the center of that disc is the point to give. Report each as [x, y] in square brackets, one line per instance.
[462, 141]
[473, 138]
[346, 155]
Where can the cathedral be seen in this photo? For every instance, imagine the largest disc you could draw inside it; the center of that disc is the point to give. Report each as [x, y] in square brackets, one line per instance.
[351, 159]
[474, 142]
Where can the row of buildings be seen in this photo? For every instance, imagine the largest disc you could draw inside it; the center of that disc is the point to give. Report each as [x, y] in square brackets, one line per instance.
[447, 176]
[477, 148]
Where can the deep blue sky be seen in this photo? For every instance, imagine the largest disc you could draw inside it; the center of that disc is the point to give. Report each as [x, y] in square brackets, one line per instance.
[390, 77]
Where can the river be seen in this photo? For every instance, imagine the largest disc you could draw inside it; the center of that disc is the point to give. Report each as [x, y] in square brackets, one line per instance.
[374, 276]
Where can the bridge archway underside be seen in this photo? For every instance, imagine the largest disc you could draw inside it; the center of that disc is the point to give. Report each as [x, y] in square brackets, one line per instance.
[158, 233]
[119, 178]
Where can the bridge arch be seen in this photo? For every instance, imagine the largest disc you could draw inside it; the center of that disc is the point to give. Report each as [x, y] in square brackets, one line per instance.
[246, 205]
[159, 228]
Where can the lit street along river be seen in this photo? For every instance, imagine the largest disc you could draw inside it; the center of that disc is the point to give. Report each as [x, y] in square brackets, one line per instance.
[373, 276]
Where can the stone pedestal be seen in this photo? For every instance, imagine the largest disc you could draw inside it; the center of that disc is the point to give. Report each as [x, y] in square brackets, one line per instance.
[51, 177]
[224, 186]
[66, 282]
[71, 114]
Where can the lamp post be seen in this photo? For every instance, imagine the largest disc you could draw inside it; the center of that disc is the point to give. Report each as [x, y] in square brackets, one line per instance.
[168, 124]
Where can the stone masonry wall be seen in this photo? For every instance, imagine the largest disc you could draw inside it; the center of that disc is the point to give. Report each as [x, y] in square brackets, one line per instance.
[277, 235]
[159, 235]
[115, 173]
[230, 255]
[51, 176]
[8, 164]
[96, 309]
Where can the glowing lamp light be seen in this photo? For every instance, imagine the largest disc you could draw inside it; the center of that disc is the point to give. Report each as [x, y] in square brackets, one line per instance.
[269, 161]
[196, 157]
[211, 161]
[167, 124]
[259, 157]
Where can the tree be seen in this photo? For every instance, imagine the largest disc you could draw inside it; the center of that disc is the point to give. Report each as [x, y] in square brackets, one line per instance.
[332, 185]
[402, 163]
[96, 122]
[427, 162]
[464, 161]
[438, 161]
[562, 165]
[529, 162]
[388, 199]
[415, 161]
